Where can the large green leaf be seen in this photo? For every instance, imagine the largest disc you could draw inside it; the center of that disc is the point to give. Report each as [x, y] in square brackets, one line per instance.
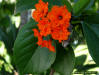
[23, 5]
[92, 19]
[65, 59]
[79, 6]
[91, 32]
[30, 58]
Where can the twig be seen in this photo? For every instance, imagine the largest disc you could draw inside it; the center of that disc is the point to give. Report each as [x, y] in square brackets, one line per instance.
[52, 72]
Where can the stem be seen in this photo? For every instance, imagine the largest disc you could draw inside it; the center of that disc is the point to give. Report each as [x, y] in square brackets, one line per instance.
[52, 72]
[24, 16]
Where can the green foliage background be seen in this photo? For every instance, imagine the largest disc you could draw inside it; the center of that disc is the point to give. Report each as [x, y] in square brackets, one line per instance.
[21, 54]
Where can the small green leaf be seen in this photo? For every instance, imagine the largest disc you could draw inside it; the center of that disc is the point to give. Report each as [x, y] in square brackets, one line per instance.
[79, 62]
[65, 59]
[30, 58]
[68, 5]
[91, 32]
[79, 6]
[23, 5]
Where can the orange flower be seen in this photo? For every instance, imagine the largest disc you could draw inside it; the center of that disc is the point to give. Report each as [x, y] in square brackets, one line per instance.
[43, 43]
[59, 17]
[41, 10]
[51, 48]
[54, 23]
[37, 34]
[60, 33]
[44, 27]
[59, 14]
[48, 44]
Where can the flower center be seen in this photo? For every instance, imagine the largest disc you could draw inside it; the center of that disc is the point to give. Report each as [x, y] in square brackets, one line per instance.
[60, 17]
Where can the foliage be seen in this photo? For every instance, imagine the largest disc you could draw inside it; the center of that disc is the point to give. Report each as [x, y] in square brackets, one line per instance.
[5, 59]
[8, 33]
[28, 58]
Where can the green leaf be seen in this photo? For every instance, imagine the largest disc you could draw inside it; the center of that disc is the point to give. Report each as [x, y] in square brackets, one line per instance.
[65, 59]
[79, 6]
[91, 32]
[4, 38]
[92, 19]
[30, 58]
[68, 5]
[79, 62]
[23, 5]
[11, 33]
[5, 22]
[40, 61]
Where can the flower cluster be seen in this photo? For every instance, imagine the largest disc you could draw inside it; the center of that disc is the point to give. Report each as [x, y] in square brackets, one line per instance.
[54, 23]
